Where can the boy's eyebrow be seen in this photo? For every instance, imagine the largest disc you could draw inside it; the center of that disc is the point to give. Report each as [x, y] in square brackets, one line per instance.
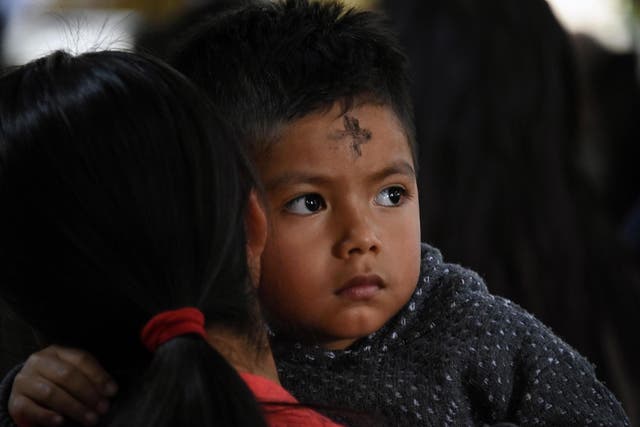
[400, 167]
[291, 178]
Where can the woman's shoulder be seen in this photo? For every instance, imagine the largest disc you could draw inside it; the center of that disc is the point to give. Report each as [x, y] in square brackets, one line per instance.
[280, 408]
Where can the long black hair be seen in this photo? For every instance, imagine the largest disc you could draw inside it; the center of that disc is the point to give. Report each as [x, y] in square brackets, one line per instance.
[122, 196]
[503, 192]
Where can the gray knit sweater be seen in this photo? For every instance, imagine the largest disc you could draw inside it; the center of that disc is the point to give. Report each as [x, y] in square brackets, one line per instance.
[455, 355]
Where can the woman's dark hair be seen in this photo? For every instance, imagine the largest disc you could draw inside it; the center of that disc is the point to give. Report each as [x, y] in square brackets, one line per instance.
[123, 196]
[502, 191]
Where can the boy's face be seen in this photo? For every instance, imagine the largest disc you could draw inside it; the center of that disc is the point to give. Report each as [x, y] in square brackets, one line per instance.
[343, 252]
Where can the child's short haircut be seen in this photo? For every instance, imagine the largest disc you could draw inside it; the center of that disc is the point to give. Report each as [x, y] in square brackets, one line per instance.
[273, 62]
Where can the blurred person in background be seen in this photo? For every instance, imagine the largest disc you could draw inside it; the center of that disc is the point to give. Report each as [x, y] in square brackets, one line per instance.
[496, 105]
[4, 17]
[610, 131]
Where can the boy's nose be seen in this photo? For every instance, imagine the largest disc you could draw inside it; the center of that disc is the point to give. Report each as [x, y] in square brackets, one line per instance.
[359, 237]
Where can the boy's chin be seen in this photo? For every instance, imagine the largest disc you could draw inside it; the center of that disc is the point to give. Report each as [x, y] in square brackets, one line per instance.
[340, 333]
[341, 342]
[345, 340]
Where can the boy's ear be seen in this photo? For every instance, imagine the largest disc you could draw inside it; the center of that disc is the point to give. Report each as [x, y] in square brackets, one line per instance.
[255, 223]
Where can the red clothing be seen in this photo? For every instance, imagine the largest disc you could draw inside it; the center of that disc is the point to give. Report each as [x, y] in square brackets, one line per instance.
[267, 391]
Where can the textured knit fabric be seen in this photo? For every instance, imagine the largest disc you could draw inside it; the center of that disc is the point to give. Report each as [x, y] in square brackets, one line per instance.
[455, 355]
[291, 415]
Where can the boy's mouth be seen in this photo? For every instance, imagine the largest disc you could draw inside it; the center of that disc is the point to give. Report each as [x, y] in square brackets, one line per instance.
[361, 288]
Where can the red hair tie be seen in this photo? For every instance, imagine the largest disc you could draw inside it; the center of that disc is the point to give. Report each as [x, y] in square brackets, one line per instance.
[170, 324]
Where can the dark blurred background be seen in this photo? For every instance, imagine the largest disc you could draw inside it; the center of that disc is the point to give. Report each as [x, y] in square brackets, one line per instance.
[528, 125]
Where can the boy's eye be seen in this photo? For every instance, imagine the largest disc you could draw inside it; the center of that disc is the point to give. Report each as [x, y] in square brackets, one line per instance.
[306, 204]
[391, 196]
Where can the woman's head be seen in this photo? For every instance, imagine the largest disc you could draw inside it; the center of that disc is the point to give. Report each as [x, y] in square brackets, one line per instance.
[121, 197]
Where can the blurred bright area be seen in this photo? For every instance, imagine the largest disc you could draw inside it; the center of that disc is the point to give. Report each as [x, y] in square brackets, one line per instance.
[33, 34]
[35, 27]
[610, 22]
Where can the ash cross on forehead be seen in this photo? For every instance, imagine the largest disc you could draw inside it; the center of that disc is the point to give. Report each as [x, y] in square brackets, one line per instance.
[358, 136]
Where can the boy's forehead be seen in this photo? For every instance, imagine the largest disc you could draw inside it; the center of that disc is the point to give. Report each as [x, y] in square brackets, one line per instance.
[370, 132]
[349, 123]
[353, 132]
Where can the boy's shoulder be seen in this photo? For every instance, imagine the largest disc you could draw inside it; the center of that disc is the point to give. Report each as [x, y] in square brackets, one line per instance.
[457, 302]
[451, 288]
[450, 294]
[489, 335]
[438, 275]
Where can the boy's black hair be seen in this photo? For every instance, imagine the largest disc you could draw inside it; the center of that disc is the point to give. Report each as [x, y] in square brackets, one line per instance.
[122, 197]
[269, 63]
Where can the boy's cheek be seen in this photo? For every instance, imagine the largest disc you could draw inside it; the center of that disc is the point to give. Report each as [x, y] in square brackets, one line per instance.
[406, 230]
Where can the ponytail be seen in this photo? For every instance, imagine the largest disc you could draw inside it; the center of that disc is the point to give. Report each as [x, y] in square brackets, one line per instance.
[186, 379]
[188, 383]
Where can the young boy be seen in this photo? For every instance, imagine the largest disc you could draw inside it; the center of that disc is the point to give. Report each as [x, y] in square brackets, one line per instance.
[363, 316]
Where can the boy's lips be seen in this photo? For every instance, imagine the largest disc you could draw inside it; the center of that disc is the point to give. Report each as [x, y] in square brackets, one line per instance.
[361, 288]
